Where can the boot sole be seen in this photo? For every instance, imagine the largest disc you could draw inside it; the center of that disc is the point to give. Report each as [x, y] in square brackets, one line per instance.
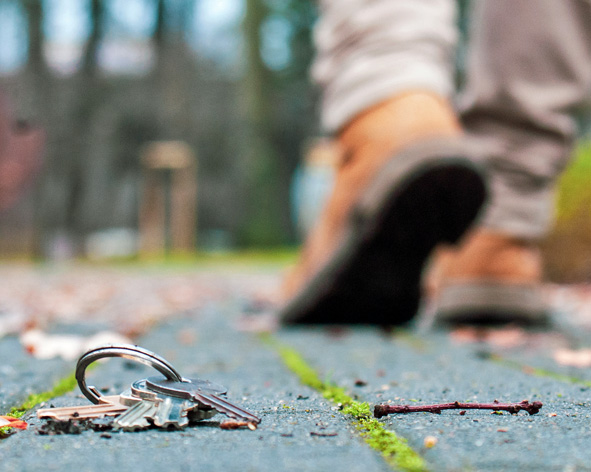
[489, 303]
[374, 275]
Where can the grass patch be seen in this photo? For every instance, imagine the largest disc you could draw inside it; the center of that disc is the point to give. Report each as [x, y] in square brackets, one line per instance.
[394, 449]
[566, 250]
[574, 191]
[173, 260]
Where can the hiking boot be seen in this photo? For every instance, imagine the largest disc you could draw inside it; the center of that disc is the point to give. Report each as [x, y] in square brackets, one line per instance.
[404, 185]
[491, 278]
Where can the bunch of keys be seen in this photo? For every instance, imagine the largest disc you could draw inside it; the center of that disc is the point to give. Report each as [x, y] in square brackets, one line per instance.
[168, 401]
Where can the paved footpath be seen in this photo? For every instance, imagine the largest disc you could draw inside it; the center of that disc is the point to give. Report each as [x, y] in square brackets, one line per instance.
[301, 430]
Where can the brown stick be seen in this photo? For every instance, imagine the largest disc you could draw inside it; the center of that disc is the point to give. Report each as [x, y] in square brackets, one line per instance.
[233, 424]
[531, 408]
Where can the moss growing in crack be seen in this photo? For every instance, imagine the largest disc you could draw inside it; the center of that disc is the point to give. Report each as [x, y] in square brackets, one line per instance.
[62, 387]
[538, 371]
[394, 449]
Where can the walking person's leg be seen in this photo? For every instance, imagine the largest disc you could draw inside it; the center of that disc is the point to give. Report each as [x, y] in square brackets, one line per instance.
[404, 183]
[528, 71]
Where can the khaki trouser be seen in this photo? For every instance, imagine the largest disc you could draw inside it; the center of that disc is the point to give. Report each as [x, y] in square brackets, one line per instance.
[528, 71]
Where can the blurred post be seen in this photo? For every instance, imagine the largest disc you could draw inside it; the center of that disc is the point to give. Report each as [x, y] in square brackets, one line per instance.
[313, 181]
[168, 207]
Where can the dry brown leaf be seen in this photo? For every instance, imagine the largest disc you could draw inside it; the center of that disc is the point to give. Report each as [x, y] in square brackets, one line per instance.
[500, 337]
[573, 358]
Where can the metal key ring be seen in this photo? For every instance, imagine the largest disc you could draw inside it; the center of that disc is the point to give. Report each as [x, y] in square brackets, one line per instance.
[127, 351]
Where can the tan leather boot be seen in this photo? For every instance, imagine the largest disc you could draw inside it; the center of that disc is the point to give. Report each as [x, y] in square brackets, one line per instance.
[378, 184]
[367, 143]
[490, 278]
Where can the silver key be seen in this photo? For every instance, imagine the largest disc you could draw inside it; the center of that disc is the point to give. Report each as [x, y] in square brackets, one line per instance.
[160, 410]
[169, 401]
[172, 412]
[137, 417]
[204, 395]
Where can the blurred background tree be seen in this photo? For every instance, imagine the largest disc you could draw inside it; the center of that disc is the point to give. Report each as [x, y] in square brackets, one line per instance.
[229, 78]
[104, 77]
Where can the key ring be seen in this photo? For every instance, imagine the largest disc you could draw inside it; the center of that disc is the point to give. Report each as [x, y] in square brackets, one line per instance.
[127, 351]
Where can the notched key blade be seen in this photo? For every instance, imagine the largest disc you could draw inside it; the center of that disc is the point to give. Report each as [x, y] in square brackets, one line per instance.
[171, 412]
[225, 407]
[137, 417]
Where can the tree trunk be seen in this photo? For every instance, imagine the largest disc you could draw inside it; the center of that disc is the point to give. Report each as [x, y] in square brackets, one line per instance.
[264, 210]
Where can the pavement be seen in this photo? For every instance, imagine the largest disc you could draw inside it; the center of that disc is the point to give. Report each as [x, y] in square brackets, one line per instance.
[300, 429]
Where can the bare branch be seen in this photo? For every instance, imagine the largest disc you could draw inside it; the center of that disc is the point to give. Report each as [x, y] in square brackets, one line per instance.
[385, 409]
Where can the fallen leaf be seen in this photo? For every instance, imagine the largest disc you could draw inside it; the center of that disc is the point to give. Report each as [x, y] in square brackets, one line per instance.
[69, 347]
[573, 358]
[12, 322]
[500, 337]
[12, 422]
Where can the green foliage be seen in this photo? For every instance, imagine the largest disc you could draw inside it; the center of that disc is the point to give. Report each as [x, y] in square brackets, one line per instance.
[574, 185]
[566, 250]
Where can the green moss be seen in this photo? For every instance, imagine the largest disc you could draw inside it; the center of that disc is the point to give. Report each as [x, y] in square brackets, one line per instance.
[62, 387]
[539, 372]
[393, 448]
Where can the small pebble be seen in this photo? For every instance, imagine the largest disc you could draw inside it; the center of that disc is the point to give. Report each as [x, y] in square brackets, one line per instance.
[430, 441]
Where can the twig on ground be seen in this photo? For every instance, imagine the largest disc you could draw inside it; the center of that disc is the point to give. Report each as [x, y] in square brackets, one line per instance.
[531, 408]
[233, 424]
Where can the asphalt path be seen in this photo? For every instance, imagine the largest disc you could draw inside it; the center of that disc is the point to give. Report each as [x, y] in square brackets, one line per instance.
[300, 430]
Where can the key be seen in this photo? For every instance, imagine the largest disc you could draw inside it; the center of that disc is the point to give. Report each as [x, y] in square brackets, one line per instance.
[202, 394]
[137, 417]
[172, 412]
[157, 409]
[169, 401]
[143, 405]
[109, 406]
[127, 351]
